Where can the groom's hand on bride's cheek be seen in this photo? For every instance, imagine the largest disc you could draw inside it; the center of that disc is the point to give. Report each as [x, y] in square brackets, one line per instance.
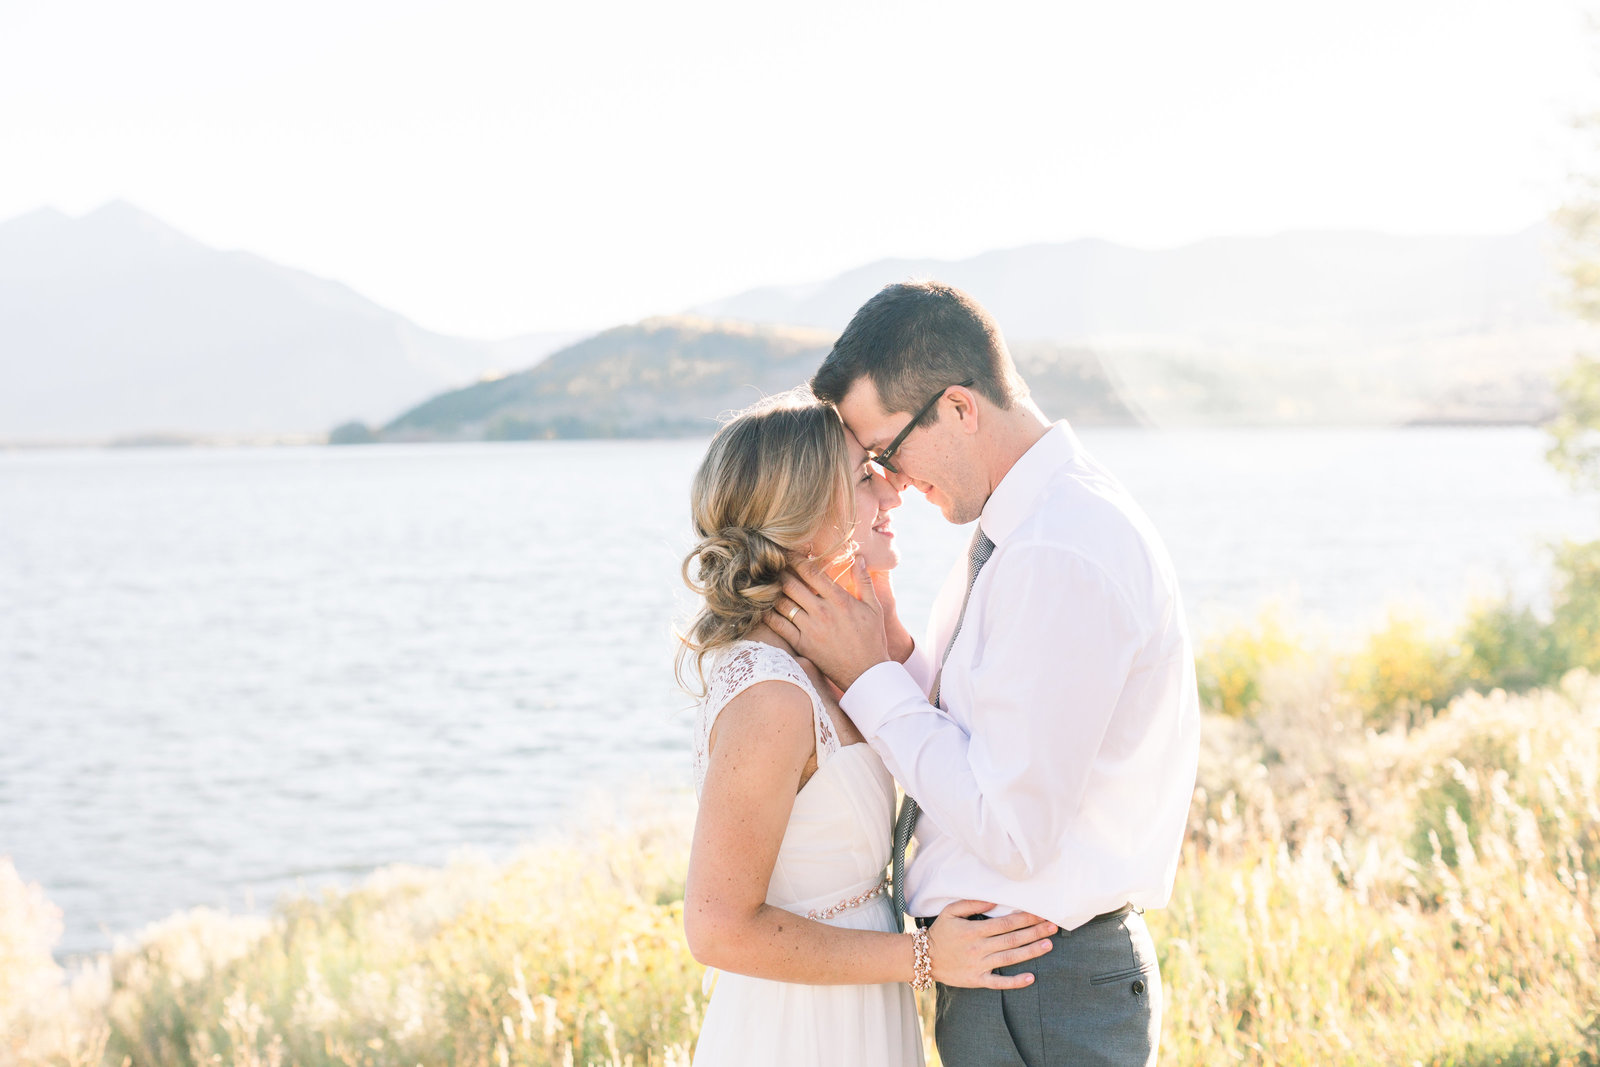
[843, 636]
[895, 633]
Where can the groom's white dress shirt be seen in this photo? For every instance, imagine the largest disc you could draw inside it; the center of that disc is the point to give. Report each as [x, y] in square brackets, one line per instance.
[1058, 777]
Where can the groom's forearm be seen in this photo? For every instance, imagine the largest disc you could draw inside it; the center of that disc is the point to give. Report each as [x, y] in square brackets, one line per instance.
[1011, 813]
[1006, 775]
[928, 753]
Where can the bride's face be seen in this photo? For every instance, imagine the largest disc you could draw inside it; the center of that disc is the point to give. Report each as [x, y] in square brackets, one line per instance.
[874, 499]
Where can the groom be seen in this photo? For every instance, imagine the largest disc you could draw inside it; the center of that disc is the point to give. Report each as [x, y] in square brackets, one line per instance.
[1048, 727]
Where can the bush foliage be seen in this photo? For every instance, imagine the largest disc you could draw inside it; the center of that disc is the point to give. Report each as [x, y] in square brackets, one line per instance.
[1392, 857]
[1346, 896]
[1404, 670]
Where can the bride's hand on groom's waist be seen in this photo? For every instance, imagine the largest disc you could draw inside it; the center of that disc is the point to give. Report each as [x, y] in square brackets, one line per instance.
[965, 952]
[842, 635]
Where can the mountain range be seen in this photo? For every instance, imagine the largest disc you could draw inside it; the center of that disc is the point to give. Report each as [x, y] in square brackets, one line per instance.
[1296, 327]
[1296, 291]
[115, 325]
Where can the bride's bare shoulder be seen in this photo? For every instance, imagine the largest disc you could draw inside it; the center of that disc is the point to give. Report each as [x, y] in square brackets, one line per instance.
[765, 730]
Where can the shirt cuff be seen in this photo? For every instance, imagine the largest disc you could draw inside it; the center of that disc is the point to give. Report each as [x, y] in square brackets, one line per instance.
[870, 701]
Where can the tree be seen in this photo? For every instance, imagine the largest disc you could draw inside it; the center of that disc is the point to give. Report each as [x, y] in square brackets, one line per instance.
[1575, 430]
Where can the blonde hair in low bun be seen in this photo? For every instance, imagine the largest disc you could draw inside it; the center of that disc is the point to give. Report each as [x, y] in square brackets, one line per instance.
[774, 477]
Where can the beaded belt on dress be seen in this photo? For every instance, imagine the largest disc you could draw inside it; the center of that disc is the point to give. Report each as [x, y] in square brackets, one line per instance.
[850, 902]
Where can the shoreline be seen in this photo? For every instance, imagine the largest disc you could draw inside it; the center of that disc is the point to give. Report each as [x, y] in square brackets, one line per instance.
[202, 442]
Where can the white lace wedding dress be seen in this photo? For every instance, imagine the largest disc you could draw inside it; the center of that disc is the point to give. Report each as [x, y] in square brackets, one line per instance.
[833, 855]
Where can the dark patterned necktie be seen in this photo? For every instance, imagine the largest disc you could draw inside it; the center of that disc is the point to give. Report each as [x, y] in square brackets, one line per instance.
[906, 821]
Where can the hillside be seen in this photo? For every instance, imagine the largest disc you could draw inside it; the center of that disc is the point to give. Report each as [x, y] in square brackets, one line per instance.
[116, 324]
[669, 377]
[1329, 327]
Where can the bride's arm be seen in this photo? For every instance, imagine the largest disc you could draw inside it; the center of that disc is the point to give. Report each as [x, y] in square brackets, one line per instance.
[760, 747]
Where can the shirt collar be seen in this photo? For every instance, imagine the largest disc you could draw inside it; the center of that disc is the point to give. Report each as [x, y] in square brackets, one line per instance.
[1013, 499]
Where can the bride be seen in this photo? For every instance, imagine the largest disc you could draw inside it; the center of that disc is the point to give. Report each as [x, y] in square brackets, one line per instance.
[786, 899]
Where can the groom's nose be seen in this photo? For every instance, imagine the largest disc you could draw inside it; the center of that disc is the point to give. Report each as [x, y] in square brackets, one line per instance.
[899, 481]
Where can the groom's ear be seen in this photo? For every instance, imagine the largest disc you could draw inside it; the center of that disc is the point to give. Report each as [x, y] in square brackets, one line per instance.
[964, 403]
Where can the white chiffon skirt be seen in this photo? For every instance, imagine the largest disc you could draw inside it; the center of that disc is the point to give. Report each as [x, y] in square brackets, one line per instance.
[757, 1021]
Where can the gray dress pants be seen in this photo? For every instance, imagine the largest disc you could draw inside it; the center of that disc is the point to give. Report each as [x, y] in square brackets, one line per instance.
[1095, 1000]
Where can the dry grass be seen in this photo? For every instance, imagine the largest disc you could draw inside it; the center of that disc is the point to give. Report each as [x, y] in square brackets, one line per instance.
[1419, 894]
[1412, 896]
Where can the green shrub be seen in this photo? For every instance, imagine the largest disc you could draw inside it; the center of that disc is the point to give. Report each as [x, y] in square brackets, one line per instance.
[1504, 646]
[1230, 666]
[1508, 646]
[1401, 671]
[1575, 614]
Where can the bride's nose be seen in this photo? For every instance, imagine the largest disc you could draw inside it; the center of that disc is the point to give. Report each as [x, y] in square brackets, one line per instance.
[889, 492]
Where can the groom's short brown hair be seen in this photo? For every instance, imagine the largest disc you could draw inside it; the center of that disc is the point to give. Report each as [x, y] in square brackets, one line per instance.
[914, 339]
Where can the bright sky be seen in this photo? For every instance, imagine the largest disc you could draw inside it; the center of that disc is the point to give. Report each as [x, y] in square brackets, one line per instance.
[492, 168]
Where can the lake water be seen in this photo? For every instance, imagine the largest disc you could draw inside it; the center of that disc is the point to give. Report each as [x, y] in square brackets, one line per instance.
[227, 673]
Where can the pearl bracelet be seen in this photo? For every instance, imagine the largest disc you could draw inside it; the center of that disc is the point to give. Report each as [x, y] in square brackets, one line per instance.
[921, 961]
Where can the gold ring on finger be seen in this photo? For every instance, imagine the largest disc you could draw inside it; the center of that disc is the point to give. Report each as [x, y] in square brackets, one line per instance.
[792, 612]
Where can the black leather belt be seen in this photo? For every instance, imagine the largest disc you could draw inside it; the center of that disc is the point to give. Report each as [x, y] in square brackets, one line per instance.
[924, 921]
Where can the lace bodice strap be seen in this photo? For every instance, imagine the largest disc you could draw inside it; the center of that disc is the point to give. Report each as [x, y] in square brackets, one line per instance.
[736, 669]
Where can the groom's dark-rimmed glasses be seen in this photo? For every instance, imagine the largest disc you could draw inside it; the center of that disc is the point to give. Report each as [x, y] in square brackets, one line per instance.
[885, 459]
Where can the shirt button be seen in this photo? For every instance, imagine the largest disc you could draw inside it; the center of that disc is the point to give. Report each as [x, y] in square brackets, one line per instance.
[1138, 987]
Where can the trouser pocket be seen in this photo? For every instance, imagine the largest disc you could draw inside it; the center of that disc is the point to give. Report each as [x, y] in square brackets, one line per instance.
[1106, 1009]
